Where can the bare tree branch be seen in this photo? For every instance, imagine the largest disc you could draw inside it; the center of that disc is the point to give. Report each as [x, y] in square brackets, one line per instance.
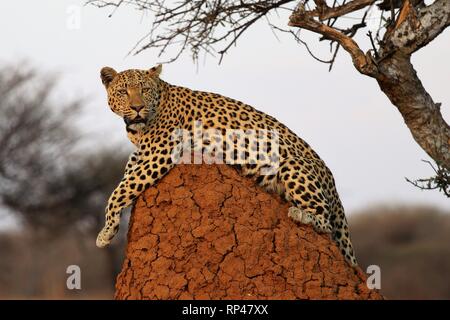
[297, 38]
[302, 19]
[324, 12]
[198, 25]
[418, 27]
[440, 181]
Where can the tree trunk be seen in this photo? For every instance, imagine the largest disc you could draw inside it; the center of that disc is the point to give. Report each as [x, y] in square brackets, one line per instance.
[399, 81]
[205, 232]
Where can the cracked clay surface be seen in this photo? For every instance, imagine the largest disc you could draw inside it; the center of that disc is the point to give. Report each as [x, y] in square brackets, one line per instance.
[205, 232]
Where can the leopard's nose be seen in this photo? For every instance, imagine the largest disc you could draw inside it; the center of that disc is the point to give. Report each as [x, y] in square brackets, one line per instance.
[137, 108]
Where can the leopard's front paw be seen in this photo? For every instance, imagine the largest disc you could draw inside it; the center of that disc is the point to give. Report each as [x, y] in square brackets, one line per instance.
[103, 238]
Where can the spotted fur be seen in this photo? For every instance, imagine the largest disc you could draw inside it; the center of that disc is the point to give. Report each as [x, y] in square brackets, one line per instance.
[152, 109]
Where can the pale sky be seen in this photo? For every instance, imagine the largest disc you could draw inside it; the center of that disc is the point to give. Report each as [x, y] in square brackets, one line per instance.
[342, 114]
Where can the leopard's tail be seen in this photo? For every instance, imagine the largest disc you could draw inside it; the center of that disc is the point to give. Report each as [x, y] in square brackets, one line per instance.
[341, 233]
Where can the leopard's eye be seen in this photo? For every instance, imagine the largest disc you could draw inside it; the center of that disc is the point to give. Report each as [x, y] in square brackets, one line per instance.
[145, 89]
[122, 91]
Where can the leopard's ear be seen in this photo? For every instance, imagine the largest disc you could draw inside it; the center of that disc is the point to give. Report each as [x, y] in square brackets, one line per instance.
[155, 71]
[107, 75]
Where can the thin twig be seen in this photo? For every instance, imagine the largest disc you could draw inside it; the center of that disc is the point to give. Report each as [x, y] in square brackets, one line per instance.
[369, 34]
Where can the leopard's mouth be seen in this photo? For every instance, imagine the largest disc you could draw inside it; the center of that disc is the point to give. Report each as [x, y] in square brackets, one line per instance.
[138, 119]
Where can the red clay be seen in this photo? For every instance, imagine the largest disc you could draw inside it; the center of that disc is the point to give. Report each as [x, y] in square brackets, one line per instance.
[205, 232]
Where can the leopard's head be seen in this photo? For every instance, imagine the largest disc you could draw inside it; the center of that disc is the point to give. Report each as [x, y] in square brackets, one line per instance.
[133, 94]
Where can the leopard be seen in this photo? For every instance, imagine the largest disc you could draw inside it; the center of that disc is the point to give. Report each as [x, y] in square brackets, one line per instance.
[153, 110]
